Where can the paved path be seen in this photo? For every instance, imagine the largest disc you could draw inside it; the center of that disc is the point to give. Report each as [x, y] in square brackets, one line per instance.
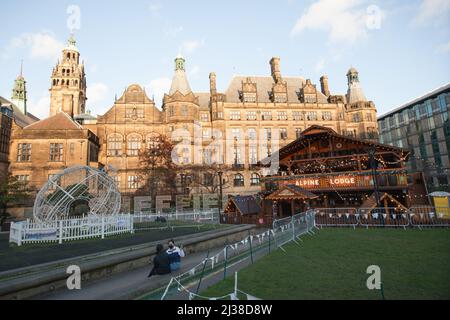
[123, 285]
[134, 283]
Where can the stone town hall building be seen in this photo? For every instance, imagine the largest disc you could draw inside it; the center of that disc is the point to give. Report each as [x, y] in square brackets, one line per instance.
[255, 116]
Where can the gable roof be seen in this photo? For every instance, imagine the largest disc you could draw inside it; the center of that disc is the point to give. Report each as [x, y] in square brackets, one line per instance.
[291, 192]
[244, 204]
[316, 130]
[60, 121]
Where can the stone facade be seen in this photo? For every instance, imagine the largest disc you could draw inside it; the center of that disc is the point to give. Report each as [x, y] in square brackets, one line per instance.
[250, 120]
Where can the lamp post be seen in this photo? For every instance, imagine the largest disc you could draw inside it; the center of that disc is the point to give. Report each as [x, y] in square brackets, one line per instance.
[373, 165]
[183, 177]
[220, 173]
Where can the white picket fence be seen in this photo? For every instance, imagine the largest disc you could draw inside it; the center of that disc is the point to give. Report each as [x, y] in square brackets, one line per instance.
[70, 229]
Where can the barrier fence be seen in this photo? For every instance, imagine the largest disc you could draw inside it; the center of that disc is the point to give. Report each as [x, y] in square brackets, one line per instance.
[77, 228]
[153, 221]
[420, 217]
[28, 231]
[188, 284]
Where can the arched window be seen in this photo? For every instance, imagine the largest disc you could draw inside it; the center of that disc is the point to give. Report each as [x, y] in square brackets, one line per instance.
[114, 145]
[133, 144]
[238, 180]
[254, 180]
[62, 82]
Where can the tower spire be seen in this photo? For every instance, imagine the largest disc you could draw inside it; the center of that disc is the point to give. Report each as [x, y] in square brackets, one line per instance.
[19, 91]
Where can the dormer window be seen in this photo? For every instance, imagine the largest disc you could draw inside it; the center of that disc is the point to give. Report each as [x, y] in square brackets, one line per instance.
[280, 98]
[249, 97]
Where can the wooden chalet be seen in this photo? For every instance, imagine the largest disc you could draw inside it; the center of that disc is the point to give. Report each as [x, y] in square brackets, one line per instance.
[323, 169]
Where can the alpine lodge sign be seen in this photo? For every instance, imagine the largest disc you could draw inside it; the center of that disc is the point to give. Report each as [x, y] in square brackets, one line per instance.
[325, 182]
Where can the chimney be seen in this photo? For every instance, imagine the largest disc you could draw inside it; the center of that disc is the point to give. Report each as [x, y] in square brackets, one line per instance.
[212, 83]
[324, 85]
[275, 68]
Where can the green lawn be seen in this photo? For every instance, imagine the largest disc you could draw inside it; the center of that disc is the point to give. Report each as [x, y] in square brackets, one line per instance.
[332, 265]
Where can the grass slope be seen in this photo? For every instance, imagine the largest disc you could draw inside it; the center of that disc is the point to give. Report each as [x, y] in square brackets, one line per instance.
[332, 265]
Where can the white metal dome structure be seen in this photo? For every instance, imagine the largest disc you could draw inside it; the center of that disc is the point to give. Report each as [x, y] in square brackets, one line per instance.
[79, 185]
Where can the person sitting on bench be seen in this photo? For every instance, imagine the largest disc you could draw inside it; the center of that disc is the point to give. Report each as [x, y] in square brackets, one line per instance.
[175, 254]
[161, 262]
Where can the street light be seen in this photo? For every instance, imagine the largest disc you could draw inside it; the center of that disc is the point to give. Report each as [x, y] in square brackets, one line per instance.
[373, 165]
[220, 173]
[183, 177]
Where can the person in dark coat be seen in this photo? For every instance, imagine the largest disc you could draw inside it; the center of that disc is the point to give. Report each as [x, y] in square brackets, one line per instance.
[161, 262]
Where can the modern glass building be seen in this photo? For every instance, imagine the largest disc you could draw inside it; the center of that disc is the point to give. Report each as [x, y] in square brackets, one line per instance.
[423, 127]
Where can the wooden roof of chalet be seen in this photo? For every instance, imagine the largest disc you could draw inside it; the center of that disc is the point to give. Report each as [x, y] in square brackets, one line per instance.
[316, 131]
[243, 204]
[291, 192]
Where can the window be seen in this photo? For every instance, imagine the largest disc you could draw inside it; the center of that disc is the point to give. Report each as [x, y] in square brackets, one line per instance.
[267, 133]
[134, 113]
[254, 180]
[235, 115]
[251, 134]
[249, 97]
[266, 115]
[133, 182]
[56, 152]
[171, 111]
[311, 116]
[252, 154]
[114, 145]
[23, 152]
[251, 115]
[356, 117]
[236, 133]
[207, 156]
[297, 115]
[326, 115]
[184, 111]
[117, 181]
[238, 180]
[23, 178]
[280, 98]
[204, 117]
[298, 132]
[237, 156]
[133, 145]
[282, 115]
[283, 133]
[206, 133]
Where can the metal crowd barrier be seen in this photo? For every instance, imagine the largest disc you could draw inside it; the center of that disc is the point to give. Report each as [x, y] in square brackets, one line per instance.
[420, 217]
[336, 217]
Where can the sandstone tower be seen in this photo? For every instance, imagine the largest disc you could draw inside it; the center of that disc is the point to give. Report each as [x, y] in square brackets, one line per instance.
[68, 90]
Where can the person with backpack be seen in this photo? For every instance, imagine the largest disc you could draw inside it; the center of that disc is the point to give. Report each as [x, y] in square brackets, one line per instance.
[161, 262]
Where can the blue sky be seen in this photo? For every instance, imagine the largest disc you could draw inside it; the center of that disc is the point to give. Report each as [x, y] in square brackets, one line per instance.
[401, 48]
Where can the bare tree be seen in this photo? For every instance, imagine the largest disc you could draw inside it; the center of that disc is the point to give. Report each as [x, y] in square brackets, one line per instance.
[206, 177]
[158, 172]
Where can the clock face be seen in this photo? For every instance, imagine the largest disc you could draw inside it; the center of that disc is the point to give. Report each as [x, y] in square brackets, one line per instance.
[339, 145]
